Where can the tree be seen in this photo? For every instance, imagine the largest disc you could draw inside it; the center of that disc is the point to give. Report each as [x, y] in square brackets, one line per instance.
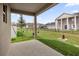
[21, 22]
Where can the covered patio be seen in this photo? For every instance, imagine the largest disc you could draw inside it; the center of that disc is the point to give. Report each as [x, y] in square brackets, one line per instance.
[31, 9]
[31, 48]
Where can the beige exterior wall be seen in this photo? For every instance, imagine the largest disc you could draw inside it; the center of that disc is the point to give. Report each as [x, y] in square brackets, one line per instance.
[4, 31]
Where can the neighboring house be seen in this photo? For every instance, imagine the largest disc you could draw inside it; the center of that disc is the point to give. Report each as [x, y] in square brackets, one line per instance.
[30, 25]
[50, 25]
[67, 22]
[39, 25]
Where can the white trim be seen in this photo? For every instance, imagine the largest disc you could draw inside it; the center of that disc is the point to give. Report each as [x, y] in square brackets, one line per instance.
[61, 24]
[75, 23]
[67, 24]
[56, 24]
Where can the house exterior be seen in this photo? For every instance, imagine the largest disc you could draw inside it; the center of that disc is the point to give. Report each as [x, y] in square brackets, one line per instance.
[5, 29]
[50, 25]
[29, 25]
[31, 9]
[67, 22]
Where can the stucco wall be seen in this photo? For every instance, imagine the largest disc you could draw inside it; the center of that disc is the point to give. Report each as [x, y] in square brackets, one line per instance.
[4, 31]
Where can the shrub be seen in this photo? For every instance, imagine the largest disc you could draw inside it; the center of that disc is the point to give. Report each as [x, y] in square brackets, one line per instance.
[13, 39]
[19, 33]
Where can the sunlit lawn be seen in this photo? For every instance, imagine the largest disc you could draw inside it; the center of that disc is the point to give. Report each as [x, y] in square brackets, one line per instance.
[27, 35]
[70, 47]
[51, 38]
[72, 37]
[62, 47]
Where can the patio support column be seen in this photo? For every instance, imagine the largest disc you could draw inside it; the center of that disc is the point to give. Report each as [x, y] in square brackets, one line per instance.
[35, 27]
[61, 24]
[75, 23]
[67, 24]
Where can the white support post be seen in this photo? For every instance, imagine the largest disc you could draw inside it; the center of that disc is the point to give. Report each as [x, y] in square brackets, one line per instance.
[75, 23]
[67, 24]
[35, 27]
[56, 24]
[61, 24]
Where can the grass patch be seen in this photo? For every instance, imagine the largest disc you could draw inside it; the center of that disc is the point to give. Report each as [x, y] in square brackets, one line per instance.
[62, 47]
[22, 35]
[20, 39]
[26, 34]
[72, 36]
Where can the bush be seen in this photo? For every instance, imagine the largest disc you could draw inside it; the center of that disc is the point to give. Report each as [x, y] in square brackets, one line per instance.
[13, 39]
[19, 33]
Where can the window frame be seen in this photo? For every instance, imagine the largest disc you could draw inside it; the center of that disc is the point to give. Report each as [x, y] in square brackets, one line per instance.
[5, 13]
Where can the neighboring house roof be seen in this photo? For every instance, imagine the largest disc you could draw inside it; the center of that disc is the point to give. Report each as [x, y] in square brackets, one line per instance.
[65, 15]
[76, 13]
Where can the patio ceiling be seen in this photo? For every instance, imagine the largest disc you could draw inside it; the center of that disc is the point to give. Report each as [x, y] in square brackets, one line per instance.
[30, 8]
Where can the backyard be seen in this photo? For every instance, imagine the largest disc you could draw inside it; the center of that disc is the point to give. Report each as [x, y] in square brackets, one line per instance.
[71, 36]
[22, 35]
[52, 38]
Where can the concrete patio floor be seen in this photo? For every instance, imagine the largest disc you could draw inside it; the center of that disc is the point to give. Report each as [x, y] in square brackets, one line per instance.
[31, 48]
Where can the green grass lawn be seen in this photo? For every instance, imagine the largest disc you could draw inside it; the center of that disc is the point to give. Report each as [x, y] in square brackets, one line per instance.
[62, 47]
[51, 38]
[27, 35]
[71, 37]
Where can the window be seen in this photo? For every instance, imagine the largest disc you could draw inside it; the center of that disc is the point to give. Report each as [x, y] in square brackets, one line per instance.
[5, 13]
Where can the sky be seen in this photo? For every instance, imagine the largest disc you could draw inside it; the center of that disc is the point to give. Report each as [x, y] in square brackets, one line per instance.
[49, 15]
